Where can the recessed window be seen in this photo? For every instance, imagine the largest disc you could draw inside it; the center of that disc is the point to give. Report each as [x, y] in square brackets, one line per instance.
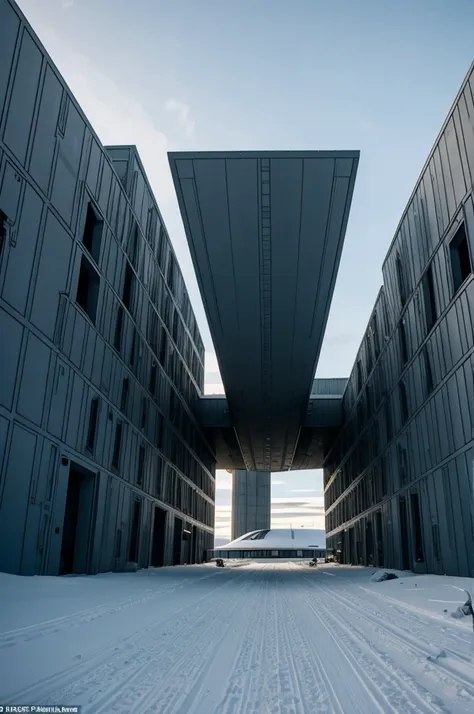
[428, 370]
[388, 421]
[359, 376]
[159, 431]
[375, 337]
[88, 288]
[144, 413]
[117, 445]
[461, 265]
[128, 285]
[153, 371]
[163, 347]
[403, 402]
[417, 528]
[133, 249]
[93, 418]
[403, 342]
[124, 394]
[401, 281]
[141, 465]
[92, 236]
[118, 329]
[429, 298]
[3, 231]
[133, 349]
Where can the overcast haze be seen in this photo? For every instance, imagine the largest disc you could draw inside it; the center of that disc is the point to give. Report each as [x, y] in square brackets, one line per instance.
[272, 74]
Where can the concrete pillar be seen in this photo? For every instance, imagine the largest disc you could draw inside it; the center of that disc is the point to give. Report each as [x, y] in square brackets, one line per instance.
[251, 501]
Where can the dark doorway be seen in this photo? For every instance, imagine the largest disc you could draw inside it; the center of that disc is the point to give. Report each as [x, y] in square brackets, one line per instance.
[158, 538]
[369, 543]
[416, 520]
[404, 534]
[135, 531]
[379, 529]
[77, 521]
[178, 533]
[194, 551]
[187, 545]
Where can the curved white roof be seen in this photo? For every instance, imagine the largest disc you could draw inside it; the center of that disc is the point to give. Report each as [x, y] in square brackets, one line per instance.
[278, 539]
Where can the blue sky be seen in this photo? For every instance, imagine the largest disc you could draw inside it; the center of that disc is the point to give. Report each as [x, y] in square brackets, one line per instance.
[372, 75]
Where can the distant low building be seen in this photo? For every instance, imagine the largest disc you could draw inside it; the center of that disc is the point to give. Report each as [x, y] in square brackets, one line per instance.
[275, 544]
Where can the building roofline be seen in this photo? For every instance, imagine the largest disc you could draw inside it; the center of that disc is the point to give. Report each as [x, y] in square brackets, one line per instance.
[425, 165]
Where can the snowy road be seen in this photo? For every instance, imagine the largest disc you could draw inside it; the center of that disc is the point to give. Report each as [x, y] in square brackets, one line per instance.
[258, 639]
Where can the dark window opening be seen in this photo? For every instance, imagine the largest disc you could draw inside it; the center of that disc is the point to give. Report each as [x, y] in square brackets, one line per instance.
[118, 543]
[134, 246]
[117, 445]
[383, 476]
[402, 464]
[88, 285]
[461, 266]
[124, 395]
[175, 326]
[171, 274]
[144, 413]
[428, 370]
[133, 349]
[375, 337]
[401, 281]
[403, 402]
[141, 465]
[403, 342]
[93, 417]
[359, 376]
[92, 236]
[417, 529]
[128, 285]
[118, 329]
[159, 432]
[370, 361]
[135, 530]
[429, 298]
[152, 385]
[3, 230]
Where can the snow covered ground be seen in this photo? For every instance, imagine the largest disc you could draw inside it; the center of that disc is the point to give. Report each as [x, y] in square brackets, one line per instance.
[258, 639]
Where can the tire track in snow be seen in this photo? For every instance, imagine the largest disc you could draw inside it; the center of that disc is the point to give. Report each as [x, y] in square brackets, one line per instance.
[172, 693]
[60, 624]
[69, 680]
[401, 691]
[462, 682]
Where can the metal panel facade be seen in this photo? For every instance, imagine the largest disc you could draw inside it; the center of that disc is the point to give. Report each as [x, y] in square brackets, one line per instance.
[102, 361]
[399, 478]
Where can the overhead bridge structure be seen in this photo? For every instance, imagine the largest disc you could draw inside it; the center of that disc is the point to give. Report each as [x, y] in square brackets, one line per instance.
[265, 232]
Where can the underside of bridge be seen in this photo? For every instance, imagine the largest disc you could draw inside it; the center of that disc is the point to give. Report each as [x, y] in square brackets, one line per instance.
[265, 232]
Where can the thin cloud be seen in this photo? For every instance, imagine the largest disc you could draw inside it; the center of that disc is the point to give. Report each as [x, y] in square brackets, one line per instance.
[183, 113]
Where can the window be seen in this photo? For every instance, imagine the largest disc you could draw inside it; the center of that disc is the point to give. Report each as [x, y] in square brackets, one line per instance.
[375, 337]
[401, 281]
[402, 464]
[3, 230]
[163, 346]
[429, 298]
[133, 250]
[141, 465]
[124, 395]
[135, 532]
[171, 273]
[92, 236]
[159, 432]
[460, 259]
[133, 349]
[144, 413]
[93, 417]
[152, 385]
[117, 445]
[128, 286]
[403, 342]
[416, 519]
[428, 370]
[88, 285]
[403, 402]
[118, 329]
[359, 376]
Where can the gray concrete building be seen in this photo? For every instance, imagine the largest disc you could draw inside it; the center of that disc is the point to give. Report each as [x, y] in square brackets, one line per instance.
[103, 463]
[399, 477]
[108, 446]
[251, 501]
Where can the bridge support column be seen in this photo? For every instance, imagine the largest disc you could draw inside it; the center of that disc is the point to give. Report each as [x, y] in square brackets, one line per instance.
[251, 501]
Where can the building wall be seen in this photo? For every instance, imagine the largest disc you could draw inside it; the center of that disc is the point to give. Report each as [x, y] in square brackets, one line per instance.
[399, 478]
[101, 358]
[251, 501]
